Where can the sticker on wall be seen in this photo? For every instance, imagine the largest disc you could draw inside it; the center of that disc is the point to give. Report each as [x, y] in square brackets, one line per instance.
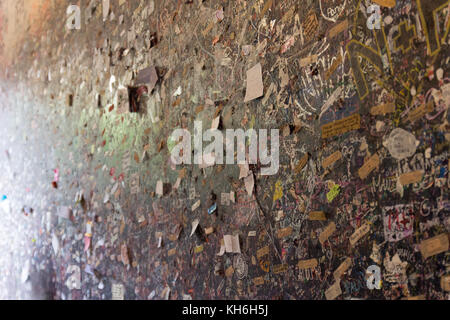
[401, 144]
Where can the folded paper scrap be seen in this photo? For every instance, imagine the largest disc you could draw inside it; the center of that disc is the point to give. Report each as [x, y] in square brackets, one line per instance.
[117, 291]
[88, 235]
[255, 87]
[194, 226]
[229, 244]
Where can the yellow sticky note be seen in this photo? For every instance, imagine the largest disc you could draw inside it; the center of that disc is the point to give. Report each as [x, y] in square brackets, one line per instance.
[386, 3]
[278, 194]
[333, 192]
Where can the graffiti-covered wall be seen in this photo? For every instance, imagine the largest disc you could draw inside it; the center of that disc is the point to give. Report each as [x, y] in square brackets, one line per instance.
[359, 93]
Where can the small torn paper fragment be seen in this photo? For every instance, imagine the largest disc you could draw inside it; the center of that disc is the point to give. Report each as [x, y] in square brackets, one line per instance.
[175, 232]
[262, 252]
[334, 291]
[25, 272]
[222, 248]
[118, 291]
[329, 161]
[187, 297]
[243, 170]
[411, 177]
[285, 232]
[55, 244]
[333, 193]
[177, 184]
[194, 226]
[159, 188]
[301, 164]
[140, 217]
[327, 232]
[280, 215]
[445, 283]
[333, 67]
[178, 92]
[338, 29]
[159, 242]
[308, 60]
[310, 25]
[420, 297]
[307, 264]
[232, 197]
[106, 198]
[280, 268]
[386, 3]
[342, 269]
[434, 246]
[289, 43]
[215, 123]
[369, 166]
[229, 272]
[278, 192]
[105, 6]
[376, 255]
[331, 100]
[255, 86]
[88, 236]
[124, 254]
[114, 188]
[317, 216]
[258, 281]
[382, 109]
[249, 184]
[212, 209]
[196, 205]
[231, 244]
[359, 233]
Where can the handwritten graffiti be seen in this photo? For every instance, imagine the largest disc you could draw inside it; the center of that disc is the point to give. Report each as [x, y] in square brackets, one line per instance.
[398, 222]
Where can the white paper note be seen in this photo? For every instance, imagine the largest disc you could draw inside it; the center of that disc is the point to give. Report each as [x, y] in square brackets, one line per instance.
[255, 87]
